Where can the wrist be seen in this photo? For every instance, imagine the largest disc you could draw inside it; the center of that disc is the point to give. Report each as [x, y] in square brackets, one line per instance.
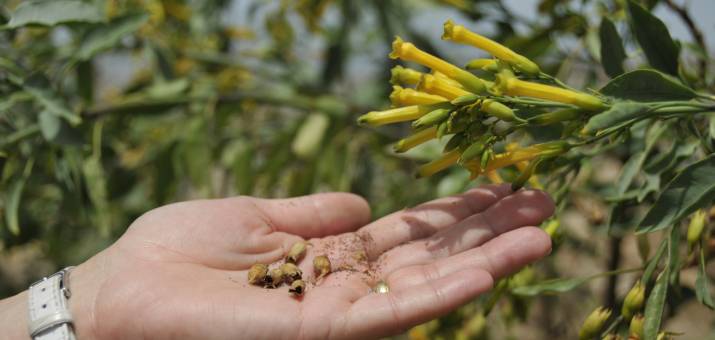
[84, 282]
[83, 285]
[13, 317]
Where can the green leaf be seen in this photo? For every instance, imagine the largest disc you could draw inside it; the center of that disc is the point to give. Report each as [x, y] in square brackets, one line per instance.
[690, 190]
[702, 293]
[653, 37]
[49, 125]
[612, 52]
[54, 12]
[104, 37]
[12, 205]
[647, 85]
[674, 257]
[39, 87]
[550, 286]
[57, 131]
[618, 113]
[654, 307]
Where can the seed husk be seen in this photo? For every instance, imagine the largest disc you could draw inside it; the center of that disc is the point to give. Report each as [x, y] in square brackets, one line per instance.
[297, 287]
[296, 252]
[321, 265]
[257, 273]
[291, 272]
[274, 278]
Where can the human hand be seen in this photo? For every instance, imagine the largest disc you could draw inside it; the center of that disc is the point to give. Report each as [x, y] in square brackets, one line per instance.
[180, 271]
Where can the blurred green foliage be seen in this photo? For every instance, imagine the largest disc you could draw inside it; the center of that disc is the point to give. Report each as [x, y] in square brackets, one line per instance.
[109, 108]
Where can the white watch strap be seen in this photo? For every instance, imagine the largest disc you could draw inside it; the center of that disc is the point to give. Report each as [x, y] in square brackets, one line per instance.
[50, 318]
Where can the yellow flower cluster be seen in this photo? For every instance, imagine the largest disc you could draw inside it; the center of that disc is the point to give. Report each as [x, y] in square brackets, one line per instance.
[452, 101]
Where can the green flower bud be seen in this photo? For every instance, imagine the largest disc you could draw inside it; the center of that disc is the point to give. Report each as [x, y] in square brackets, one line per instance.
[633, 301]
[465, 99]
[432, 118]
[695, 229]
[473, 151]
[594, 323]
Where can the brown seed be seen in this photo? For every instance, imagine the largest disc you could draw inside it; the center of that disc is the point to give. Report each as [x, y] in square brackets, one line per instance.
[297, 287]
[321, 265]
[291, 272]
[296, 252]
[274, 278]
[257, 273]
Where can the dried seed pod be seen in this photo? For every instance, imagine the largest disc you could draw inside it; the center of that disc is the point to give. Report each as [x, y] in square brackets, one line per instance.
[257, 273]
[321, 265]
[274, 278]
[291, 272]
[296, 252]
[297, 287]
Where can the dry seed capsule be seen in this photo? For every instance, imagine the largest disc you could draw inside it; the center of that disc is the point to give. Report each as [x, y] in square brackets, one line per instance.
[321, 265]
[297, 287]
[635, 330]
[296, 252]
[257, 273]
[594, 323]
[291, 272]
[274, 278]
[633, 301]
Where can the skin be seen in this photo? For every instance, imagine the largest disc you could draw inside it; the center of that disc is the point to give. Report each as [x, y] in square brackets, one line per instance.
[180, 271]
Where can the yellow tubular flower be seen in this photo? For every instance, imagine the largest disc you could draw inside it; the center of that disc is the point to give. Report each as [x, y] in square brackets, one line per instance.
[402, 114]
[446, 79]
[462, 35]
[515, 87]
[438, 86]
[415, 139]
[401, 96]
[482, 64]
[404, 76]
[438, 164]
[519, 155]
[534, 179]
[431, 84]
[494, 177]
[409, 52]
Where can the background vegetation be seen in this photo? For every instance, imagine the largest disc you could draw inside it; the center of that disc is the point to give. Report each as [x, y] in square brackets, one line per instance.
[111, 108]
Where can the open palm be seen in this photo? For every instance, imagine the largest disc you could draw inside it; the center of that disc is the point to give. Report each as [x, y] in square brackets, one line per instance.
[180, 270]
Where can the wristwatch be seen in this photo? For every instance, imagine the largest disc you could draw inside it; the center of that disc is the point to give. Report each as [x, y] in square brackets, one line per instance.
[50, 317]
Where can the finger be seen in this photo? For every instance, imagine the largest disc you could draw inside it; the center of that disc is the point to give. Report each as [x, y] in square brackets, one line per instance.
[499, 257]
[428, 218]
[315, 215]
[377, 315]
[526, 207]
